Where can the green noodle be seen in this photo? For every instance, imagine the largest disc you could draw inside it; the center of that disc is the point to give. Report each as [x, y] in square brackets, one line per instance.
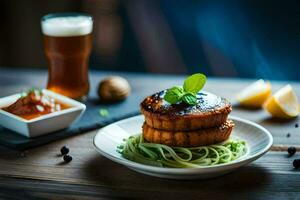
[136, 149]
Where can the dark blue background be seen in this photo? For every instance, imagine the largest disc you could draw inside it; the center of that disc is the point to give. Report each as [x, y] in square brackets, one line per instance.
[260, 38]
[251, 38]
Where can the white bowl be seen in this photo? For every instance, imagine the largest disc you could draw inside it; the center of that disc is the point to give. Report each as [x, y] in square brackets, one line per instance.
[257, 138]
[44, 124]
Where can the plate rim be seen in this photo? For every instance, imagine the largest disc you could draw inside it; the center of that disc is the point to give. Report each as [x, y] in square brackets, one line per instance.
[140, 166]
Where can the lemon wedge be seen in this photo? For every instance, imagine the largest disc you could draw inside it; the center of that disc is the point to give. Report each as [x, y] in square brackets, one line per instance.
[256, 94]
[283, 104]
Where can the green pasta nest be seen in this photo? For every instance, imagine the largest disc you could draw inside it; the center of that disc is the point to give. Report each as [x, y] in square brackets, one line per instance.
[136, 149]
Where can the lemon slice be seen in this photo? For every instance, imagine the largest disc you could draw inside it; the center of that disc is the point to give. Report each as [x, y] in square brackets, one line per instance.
[283, 104]
[256, 94]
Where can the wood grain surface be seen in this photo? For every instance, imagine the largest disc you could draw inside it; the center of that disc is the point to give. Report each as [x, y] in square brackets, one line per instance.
[39, 173]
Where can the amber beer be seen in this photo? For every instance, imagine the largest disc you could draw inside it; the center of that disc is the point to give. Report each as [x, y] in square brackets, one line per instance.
[68, 43]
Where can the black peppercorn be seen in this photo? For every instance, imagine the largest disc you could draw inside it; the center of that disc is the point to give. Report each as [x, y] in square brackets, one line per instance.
[67, 158]
[64, 150]
[296, 125]
[296, 163]
[291, 150]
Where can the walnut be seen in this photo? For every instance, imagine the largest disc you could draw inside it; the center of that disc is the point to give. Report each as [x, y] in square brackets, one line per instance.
[113, 88]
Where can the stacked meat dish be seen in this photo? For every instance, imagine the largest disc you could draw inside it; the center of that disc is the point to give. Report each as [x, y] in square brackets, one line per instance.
[183, 125]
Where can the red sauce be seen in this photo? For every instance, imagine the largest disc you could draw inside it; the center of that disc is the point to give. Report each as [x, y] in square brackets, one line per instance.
[35, 104]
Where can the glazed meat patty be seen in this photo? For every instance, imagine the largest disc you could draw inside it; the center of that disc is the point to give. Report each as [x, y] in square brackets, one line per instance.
[188, 138]
[210, 111]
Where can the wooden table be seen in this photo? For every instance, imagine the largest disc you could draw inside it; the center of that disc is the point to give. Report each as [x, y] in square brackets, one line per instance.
[40, 172]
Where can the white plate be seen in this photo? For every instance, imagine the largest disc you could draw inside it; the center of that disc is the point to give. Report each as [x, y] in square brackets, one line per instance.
[258, 140]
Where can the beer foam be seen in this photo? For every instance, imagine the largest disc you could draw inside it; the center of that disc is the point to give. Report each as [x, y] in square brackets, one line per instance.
[67, 26]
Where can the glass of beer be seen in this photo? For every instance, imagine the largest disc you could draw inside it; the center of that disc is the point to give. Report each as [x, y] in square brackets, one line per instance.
[68, 44]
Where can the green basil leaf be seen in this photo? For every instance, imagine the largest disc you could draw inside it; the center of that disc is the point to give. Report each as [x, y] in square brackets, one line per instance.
[189, 98]
[173, 95]
[194, 83]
